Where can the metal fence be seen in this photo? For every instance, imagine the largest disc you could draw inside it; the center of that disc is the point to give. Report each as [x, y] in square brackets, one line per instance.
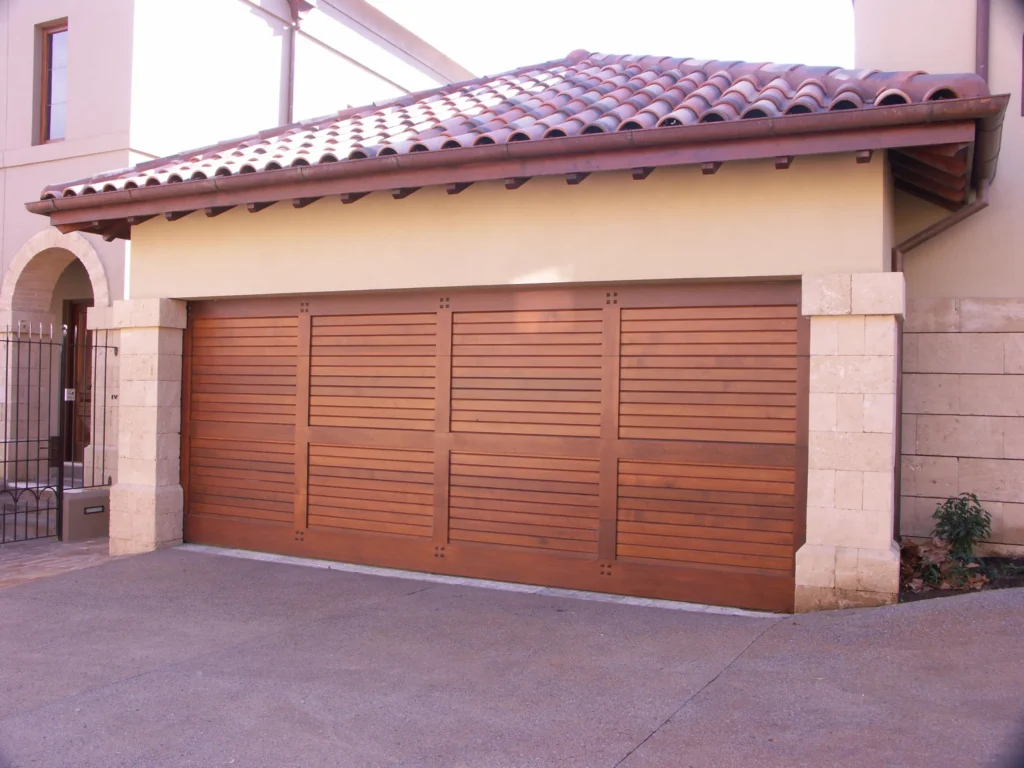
[56, 393]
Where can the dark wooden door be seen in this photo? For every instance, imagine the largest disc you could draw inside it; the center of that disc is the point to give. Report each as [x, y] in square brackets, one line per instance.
[645, 440]
[78, 379]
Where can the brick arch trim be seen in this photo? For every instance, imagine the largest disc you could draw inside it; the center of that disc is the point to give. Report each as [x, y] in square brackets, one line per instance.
[32, 276]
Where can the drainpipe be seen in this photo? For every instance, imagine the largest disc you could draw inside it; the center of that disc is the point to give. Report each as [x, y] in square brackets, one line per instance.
[981, 43]
[980, 203]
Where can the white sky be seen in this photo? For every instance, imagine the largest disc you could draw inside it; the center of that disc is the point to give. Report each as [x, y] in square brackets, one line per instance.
[494, 36]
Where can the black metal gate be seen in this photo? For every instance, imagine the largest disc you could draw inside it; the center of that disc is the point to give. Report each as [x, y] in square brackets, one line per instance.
[56, 393]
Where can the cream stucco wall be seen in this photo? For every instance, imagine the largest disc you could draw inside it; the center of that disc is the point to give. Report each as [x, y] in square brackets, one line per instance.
[823, 215]
[910, 35]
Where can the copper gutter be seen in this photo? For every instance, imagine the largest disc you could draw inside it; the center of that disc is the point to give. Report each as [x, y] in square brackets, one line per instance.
[981, 40]
[878, 128]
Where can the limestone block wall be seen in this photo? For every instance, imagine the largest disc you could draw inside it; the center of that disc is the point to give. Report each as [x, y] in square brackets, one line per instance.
[849, 557]
[963, 412]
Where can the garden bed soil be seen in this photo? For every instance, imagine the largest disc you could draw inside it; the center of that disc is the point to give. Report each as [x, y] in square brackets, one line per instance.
[1002, 572]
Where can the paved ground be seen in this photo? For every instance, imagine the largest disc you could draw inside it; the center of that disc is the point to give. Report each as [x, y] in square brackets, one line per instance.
[30, 560]
[181, 658]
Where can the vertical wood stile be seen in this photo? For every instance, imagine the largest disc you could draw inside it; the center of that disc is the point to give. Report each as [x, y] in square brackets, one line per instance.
[184, 461]
[803, 383]
[442, 425]
[302, 369]
[608, 493]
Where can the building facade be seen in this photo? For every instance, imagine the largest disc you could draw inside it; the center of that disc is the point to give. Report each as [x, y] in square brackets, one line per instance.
[96, 84]
[963, 363]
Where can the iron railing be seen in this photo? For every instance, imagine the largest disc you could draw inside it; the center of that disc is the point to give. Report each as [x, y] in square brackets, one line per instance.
[55, 413]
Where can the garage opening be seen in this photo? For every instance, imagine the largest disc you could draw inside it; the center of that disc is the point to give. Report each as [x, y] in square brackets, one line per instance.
[642, 440]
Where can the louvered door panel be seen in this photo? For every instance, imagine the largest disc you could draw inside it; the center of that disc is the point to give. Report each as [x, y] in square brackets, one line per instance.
[527, 373]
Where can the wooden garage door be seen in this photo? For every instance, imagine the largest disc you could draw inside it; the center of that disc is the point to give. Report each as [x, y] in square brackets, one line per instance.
[639, 440]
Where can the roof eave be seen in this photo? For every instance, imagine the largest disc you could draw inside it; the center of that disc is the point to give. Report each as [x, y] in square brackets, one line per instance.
[931, 123]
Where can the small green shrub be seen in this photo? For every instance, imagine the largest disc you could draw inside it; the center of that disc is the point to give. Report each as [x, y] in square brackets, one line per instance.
[961, 522]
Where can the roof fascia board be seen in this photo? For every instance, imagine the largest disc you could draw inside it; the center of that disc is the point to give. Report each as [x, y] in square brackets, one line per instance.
[488, 164]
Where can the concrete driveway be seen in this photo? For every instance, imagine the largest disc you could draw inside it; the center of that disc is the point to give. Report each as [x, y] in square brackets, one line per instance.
[182, 658]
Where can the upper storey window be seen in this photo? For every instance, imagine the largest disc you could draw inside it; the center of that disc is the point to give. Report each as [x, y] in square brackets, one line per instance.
[54, 86]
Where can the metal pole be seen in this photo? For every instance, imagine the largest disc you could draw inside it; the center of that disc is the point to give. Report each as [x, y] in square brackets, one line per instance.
[63, 436]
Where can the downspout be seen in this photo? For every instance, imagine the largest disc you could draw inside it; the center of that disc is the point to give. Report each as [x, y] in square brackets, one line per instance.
[980, 203]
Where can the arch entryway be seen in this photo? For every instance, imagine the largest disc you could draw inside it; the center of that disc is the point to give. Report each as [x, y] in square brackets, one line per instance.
[48, 366]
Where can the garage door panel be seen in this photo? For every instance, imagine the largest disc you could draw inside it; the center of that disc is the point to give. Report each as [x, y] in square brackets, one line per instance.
[632, 439]
[697, 557]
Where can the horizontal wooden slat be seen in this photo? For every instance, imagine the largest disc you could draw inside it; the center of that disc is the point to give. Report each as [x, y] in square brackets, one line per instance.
[527, 417]
[525, 397]
[723, 423]
[707, 313]
[527, 316]
[332, 321]
[506, 471]
[688, 543]
[725, 410]
[654, 509]
[374, 353]
[205, 323]
[469, 499]
[569, 486]
[566, 430]
[695, 385]
[705, 516]
[533, 497]
[526, 383]
[696, 494]
[713, 325]
[375, 526]
[470, 511]
[679, 469]
[325, 383]
[381, 423]
[706, 484]
[329, 499]
[498, 328]
[523, 529]
[576, 343]
[532, 542]
[659, 554]
[738, 436]
[684, 532]
[672, 339]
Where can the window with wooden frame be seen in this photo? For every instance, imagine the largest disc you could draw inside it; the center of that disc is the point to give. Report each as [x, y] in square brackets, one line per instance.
[53, 86]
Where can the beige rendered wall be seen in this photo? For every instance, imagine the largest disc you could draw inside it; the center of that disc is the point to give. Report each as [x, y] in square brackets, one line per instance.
[99, 75]
[823, 215]
[910, 35]
[963, 422]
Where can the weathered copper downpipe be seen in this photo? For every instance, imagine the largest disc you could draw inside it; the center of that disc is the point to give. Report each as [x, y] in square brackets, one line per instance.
[986, 111]
[981, 44]
[980, 203]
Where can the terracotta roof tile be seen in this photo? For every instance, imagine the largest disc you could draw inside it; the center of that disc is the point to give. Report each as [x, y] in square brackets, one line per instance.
[583, 93]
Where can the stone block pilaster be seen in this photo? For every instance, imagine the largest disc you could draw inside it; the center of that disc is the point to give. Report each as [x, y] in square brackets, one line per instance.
[146, 501]
[850, 557]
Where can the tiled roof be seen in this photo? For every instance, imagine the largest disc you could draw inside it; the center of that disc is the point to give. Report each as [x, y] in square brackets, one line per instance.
[583, 93]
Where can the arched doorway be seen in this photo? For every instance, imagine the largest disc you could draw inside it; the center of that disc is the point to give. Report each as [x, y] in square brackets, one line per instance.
[49, 362]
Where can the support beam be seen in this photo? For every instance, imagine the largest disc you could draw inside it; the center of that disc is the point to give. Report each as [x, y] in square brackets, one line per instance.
[516, 182]
[117, 229]
[136, 220]
[302, 202]
[575, 177]
[782, 162]
[350, 197]
[455, 188]
[710, 169]
[639, 174]
[864, 156]
[257, 207]
[217, 210]
[403, 192]
[175, 215]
